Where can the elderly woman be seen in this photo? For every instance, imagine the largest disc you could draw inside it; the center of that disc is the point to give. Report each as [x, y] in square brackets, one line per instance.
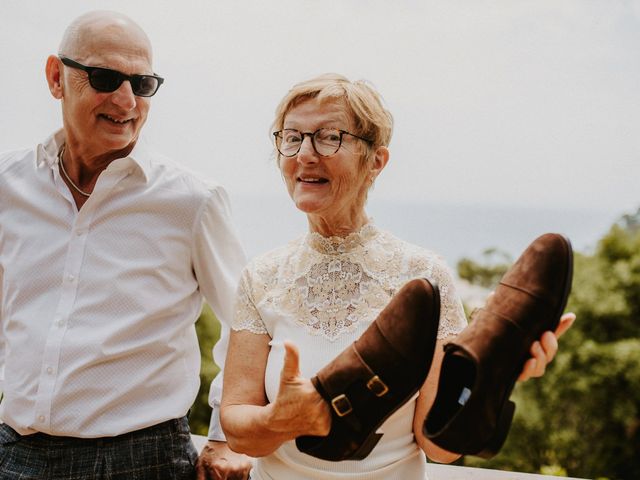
[300, 305]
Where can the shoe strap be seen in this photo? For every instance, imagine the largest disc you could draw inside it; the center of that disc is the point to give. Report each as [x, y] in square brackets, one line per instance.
[338, 382]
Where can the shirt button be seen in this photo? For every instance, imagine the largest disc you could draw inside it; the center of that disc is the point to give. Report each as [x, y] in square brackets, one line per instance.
[79, 232]
[41, 418]
[71, 277]
[49, 370]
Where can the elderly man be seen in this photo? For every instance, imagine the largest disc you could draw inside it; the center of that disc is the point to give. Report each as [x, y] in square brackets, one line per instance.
[106, 252]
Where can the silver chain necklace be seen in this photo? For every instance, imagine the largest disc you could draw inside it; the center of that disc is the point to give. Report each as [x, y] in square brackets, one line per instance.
[66, 175]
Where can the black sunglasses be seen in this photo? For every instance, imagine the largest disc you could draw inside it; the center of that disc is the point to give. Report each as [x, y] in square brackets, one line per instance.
[107, 80]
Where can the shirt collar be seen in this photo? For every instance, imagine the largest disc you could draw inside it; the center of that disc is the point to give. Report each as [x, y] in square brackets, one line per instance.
[47, 154]
[339, 245]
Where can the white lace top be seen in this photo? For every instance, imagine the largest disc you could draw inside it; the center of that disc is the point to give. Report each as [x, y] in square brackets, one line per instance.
[322, 293]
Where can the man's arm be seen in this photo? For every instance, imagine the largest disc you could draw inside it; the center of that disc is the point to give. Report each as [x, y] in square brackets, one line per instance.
[1, 342]
[215, 391]
[218, 260]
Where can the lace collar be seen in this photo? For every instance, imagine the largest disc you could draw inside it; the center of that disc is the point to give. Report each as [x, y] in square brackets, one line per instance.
[338, 245]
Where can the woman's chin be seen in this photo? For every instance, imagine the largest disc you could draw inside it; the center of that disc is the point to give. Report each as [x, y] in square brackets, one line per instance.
[309, 206]
[309, 203]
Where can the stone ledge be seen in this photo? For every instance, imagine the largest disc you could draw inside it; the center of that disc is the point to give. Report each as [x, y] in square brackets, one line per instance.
[449, 472]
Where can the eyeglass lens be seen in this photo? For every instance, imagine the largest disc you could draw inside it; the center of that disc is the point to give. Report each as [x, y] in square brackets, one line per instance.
[107, 80]
[326, 141]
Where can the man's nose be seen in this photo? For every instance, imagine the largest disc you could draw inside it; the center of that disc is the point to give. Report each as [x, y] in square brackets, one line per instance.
[124, 97]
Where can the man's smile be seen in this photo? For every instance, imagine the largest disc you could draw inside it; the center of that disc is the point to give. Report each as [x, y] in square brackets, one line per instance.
[115, 120]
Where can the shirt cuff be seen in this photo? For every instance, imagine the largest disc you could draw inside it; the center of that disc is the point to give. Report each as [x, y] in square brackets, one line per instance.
[215, 429]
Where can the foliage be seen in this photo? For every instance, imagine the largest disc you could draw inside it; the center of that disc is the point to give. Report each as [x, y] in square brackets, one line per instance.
[208, 330]
[487, 273]
[583, 417]
[554, 470]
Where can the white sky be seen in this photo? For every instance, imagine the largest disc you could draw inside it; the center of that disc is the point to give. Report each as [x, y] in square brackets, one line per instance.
[533, 103]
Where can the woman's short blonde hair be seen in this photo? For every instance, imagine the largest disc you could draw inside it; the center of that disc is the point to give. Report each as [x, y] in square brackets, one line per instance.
[371, 119]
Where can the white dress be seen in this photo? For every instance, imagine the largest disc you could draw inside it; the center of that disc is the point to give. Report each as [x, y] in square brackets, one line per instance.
[322, 293]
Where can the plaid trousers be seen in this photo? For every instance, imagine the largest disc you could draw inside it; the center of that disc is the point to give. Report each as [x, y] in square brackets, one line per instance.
[160, 452]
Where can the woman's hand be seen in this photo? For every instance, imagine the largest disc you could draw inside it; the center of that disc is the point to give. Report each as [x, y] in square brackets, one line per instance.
[298, 409]
[251, 424]
[545, 349]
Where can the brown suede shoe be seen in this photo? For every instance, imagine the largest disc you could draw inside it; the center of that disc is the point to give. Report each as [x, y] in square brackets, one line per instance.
[471, 414]
[377, 374]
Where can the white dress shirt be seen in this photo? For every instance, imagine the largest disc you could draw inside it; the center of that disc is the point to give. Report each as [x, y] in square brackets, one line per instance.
[97, 306]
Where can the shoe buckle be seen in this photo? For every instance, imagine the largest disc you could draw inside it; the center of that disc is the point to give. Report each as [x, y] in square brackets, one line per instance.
[341, 405]
[377, 386]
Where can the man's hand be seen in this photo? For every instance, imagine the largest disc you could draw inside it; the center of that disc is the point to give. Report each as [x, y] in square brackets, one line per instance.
[218, 462]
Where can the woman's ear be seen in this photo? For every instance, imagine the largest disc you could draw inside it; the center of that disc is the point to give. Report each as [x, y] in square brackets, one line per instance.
[380, 160]
[54, 76]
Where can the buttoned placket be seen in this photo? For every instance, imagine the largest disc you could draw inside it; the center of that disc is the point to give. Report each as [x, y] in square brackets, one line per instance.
[71, 278]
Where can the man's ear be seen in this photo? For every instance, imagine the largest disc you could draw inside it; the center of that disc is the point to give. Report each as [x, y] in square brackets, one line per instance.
[54, 76]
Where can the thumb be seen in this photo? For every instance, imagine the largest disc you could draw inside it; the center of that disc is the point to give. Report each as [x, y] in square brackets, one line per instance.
[565, 323]
[291, 367]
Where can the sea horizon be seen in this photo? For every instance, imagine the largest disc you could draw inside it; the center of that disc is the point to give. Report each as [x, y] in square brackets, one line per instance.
[452, 230]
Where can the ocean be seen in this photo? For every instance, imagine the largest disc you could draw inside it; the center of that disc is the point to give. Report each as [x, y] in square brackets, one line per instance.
[453, 231]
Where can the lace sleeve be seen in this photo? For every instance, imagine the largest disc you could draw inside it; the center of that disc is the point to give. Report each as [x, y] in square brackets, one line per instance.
[246, 316]
[452, 316]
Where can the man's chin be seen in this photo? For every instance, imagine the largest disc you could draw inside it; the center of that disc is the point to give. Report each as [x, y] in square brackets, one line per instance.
[117, 143]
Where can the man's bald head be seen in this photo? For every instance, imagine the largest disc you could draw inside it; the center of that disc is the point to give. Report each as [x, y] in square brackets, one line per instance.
[96, 31]
[101, 123]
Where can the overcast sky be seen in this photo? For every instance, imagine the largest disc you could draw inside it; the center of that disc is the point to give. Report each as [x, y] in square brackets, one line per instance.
[514, 102]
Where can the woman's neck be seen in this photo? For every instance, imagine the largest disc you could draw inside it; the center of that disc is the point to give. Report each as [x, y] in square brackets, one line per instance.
[337, 228]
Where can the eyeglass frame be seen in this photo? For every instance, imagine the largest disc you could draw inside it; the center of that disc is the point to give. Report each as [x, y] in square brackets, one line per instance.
[121, 76]
[312, 135]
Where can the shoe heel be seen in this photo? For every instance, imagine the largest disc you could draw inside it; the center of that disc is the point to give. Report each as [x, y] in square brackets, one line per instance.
[366, 447]
[502, 429]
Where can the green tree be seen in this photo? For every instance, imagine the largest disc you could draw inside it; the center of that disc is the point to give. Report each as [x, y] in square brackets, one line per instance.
[208, 330]
[583, 417]
[488, 271]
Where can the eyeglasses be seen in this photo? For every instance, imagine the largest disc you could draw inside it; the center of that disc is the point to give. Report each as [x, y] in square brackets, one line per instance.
[325, 141]
[107, 80]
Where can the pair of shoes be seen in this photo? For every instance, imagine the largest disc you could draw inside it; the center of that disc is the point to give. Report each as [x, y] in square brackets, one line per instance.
[377, 374]
[472, 413]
